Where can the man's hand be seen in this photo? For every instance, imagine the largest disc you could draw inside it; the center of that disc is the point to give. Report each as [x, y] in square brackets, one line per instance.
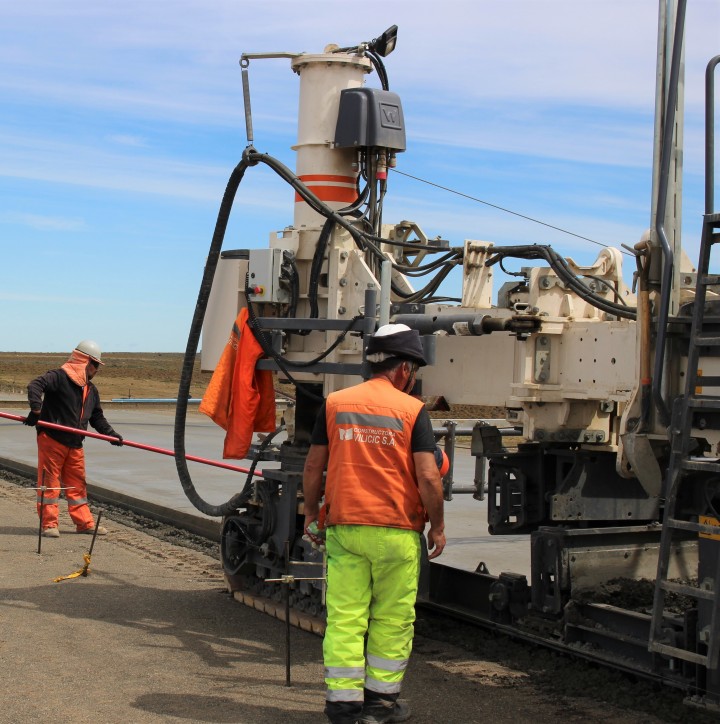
[117, 441]
[436, 542]
[31, 419]
[312, 533]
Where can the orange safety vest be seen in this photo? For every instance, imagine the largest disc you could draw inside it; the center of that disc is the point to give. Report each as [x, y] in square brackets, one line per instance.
[240, 398]
[371, 472]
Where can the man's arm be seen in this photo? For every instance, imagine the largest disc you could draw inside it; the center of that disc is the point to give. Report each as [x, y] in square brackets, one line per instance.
[99, 421]
[315, 463]
[36, 389]
[312, 481]
[430, 487]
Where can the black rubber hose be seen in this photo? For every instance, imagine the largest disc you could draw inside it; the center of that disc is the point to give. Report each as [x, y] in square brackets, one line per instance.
[192, 345]
[560, 266]
[250, 158]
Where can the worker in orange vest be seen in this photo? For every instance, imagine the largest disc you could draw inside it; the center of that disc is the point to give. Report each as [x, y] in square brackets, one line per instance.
[382, 485]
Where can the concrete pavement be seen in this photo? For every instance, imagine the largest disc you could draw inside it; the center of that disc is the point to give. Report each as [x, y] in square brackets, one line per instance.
[153, 477]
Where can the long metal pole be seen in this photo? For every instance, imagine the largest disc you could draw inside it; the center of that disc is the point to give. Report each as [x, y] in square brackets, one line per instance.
[287, 615]
[92, 543]
[710, 135]
[42, 511]
[667, 251]
[131, 443]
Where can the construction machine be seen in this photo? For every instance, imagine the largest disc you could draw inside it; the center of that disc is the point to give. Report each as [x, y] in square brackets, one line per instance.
[611, 392]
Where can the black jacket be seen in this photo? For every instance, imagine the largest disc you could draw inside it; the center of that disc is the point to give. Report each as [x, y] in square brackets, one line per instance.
[62, 403]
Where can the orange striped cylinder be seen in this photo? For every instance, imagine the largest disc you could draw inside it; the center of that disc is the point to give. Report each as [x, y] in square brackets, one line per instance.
[330, 173]
[333, 189]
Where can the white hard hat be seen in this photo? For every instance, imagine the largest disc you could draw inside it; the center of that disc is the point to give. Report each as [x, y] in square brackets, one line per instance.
[396, 340]
[388, 329]
[91, 349]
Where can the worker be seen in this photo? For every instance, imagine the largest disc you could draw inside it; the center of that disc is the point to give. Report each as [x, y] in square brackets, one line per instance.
[66, 396]
[382, 486]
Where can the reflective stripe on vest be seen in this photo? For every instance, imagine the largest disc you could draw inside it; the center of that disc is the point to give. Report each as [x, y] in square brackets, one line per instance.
[356, 418]
[371, 472]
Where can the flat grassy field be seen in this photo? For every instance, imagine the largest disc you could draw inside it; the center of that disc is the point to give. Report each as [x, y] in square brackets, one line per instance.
[132, 374]
[153, 375]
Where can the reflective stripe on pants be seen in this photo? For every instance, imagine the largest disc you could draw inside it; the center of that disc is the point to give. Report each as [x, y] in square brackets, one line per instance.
[372, 586]
[64, 468]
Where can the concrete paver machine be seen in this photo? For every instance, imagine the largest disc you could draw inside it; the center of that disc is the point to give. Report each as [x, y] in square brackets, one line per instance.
[612, 391]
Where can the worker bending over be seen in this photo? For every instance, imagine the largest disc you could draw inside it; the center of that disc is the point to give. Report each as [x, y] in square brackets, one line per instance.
[67, 396]
[382, 486]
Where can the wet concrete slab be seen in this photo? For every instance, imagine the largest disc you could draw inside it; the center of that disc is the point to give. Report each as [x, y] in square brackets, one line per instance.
[153, 477]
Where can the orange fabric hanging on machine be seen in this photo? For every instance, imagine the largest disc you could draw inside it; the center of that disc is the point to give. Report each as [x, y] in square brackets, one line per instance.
[240, 398]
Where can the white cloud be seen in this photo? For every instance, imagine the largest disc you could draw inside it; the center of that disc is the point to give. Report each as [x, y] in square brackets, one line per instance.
[124, 139]
[47, 159]
[43, 223]
[144, 101]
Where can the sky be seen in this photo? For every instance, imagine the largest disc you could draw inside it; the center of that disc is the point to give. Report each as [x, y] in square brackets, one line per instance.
[120, 124]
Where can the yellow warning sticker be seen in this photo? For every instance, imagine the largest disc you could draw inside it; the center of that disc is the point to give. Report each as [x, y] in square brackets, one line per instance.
[709, 520]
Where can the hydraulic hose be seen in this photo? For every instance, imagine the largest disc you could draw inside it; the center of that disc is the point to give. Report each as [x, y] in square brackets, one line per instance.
[560, 266]
[192, 345]
[364, 241]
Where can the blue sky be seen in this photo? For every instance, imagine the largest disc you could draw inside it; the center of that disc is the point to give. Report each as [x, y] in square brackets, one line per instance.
[120, 124]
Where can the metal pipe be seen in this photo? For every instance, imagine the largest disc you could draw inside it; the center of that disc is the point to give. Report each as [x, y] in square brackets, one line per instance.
[246, 100]
[42, 511]
[385, 284]
[659, 221]
[456, 324]
[131, 443]
[710, 135]
[466, 429]
[86, 567]
[155, 400]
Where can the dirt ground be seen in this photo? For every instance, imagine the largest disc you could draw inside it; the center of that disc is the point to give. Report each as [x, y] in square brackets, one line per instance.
[136, 374]
[155, 611]
[156, 375]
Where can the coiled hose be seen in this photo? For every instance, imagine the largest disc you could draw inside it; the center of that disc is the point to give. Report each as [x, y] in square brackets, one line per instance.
[213, 257]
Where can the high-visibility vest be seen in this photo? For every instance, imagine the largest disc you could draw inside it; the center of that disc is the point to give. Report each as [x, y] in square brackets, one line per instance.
[371, 472]
[240, 398]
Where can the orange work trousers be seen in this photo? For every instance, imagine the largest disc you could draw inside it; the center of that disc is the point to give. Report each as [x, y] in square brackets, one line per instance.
[59, 467]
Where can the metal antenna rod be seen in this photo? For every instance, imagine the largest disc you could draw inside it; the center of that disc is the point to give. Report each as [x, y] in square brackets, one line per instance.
[244, 63]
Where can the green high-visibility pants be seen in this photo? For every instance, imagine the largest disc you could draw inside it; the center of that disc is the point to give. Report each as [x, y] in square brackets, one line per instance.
[372, 575]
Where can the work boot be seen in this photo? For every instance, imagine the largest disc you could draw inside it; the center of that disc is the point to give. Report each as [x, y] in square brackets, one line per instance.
[343, 712]
[100, 530]
[382, 712]
[51, 532]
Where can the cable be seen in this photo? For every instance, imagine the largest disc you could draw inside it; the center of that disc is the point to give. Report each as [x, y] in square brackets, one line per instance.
[293, 278]
[379, 68]
[267, 347]
[501, 208]
[333, 346]
[612, 287]
[364, 241]
[560, 266]
[316, 268]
